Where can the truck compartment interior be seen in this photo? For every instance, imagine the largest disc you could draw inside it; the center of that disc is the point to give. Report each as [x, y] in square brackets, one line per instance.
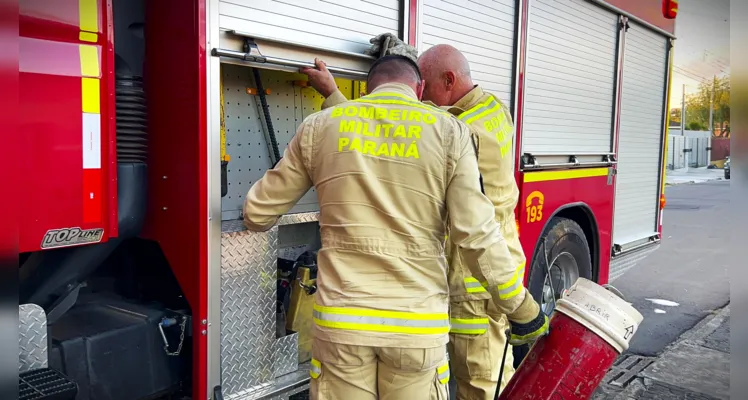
[119, 324]
[250, 130]
[112, 348]
[261, 111]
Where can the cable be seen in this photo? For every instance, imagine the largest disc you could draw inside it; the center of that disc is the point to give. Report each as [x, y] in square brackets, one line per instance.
[508, 335]
[268, 119]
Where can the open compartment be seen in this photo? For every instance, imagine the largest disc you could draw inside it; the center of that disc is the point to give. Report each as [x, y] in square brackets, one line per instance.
[268, 278]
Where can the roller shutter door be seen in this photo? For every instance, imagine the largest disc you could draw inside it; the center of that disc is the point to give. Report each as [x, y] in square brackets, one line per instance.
[483, 30]
[570, 78]
[640, 137]
[345, 25]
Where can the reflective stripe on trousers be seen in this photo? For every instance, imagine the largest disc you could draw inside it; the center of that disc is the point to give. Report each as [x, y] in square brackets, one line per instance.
[356, 319]
[315, 370]
[443, 373]
[469, 326]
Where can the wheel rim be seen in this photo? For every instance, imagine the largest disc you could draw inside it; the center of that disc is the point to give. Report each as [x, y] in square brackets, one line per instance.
[562, 272]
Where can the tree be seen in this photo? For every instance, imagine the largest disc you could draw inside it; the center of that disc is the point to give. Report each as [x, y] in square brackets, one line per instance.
[695, 126]
[697, 106]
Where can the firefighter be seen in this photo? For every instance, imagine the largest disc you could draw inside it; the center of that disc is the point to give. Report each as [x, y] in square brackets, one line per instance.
[391, 173]
[449, 85]
[477, 338]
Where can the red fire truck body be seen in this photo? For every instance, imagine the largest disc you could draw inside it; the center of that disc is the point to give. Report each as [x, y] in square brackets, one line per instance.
[146, 122]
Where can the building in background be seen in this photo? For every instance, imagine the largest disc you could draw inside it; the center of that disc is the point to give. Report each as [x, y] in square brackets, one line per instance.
[701, 78]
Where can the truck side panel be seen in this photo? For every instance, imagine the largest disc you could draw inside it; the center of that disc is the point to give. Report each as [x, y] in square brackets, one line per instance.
[544, 194]
[175, 74]
[570, 80]
[66, 103]
[641, 136]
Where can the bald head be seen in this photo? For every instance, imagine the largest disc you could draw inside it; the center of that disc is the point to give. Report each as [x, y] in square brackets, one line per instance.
[447, 74]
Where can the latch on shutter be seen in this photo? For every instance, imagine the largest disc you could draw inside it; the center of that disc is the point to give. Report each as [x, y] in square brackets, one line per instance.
[251, 53]
[611, 173]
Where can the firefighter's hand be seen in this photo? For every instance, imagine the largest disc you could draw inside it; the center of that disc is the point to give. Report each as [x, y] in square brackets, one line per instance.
[529, 332]
[320, 78]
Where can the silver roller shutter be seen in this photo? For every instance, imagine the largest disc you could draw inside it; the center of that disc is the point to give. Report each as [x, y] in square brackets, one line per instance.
[570, 78]
[483, 30]
[345, 25]
[640, 137]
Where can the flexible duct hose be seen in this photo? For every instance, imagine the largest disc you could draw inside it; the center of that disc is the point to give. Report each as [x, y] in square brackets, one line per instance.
[268, 119]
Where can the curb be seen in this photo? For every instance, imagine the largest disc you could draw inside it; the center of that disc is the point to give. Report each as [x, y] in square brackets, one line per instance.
[692, 182]
[704, 328]
[695, 336]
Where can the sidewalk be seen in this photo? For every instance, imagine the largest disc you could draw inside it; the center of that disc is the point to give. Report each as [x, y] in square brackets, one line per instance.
[696, 366]
[693, 175]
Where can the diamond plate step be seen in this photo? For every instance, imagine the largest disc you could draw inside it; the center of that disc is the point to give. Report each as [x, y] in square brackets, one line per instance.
[32, 337]
[625, 369]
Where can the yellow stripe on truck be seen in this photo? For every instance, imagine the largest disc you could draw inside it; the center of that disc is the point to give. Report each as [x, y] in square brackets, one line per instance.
[544, 176]
[90, 100]
[89, 57]
[88, 16]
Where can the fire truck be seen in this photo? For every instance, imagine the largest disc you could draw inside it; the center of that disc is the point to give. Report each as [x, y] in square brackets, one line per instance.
[146, 122]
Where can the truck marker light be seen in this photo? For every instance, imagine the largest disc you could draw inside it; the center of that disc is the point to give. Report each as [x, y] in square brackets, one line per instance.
[670, 8]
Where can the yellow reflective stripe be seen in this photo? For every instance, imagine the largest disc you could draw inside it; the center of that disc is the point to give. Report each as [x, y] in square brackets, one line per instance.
[400, 99]
[514, 286]
[89, 59]
[90, 101]
[316, 369]
[88, 37]
[381, 321]
[473, 286]
[469, 326]
[532, 335]
[480, 111]
[442, 373]
[476, 108]
[88, 15]
[561, 175]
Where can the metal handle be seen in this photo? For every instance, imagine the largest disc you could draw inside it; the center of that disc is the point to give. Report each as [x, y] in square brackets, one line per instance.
[284, 62]
[613, 290]
[577, 165]
[315, 48]
[309, 289]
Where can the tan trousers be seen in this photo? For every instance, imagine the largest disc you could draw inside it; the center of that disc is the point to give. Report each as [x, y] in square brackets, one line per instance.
[475, 359]
[345, 372]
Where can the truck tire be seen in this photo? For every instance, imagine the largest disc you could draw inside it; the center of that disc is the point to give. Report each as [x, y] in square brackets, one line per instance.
[564, 244]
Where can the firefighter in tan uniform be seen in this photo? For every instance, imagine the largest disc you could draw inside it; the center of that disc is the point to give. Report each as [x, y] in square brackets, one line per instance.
[476, 323]
[391, 174]
[477, 338]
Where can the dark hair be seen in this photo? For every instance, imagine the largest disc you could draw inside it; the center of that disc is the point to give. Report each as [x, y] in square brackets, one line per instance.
[392, 67]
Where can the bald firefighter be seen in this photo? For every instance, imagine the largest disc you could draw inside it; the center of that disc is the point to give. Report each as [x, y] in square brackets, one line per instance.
[391, 174]
[477, 338]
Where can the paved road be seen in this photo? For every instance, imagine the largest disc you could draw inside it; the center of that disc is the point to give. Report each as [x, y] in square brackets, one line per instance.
[690, 268]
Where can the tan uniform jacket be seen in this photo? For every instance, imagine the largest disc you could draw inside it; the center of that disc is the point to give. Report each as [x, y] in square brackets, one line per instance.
[390, 174]
[492, 130]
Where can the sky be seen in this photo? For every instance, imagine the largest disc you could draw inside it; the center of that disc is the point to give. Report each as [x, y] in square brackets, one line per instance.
[702, 47]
